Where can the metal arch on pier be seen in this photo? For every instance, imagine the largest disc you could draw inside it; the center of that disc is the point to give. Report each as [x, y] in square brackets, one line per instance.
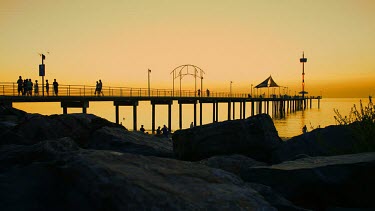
[180, 74]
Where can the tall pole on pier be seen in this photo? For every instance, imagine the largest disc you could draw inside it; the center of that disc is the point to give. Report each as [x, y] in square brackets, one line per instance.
[149, 71]
[303, 60]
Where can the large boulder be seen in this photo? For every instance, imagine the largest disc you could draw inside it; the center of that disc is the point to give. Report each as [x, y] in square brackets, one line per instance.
[331, 140]
[58, 175]
[321, 182]
[231, 163]
[255, 137]
[117, 139]
[35, 128]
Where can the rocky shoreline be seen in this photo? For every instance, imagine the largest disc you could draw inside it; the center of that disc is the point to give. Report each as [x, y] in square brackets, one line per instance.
[84, 162]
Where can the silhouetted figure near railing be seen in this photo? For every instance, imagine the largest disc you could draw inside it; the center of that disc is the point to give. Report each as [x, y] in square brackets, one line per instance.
[24, 87]
[208, 92]
[20, 84]
[199, 92]
[47, 87]
[100, 86]
[29, 87]
[96, 88]
[55, 87]
[36, 88]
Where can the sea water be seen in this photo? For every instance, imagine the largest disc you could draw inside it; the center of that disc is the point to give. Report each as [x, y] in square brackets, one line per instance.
[288, 126]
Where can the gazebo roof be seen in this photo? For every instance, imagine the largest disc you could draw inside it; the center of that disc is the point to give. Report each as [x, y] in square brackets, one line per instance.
[269, 82]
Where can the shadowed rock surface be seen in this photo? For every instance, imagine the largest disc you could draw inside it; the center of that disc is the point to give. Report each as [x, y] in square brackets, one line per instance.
[231, 163]
[331, 140]
[255, 137]
[321, 182]
[35, 128]
[58, 175]
[120, 140]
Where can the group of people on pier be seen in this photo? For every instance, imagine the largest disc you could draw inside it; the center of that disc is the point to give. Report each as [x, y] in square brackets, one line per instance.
[26, 86]
[98, 88]
[207, 93]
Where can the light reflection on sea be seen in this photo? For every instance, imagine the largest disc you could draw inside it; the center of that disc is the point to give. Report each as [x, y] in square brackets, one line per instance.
[287, 127]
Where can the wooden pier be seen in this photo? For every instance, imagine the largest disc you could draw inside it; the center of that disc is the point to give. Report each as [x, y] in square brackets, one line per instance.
[71, 96]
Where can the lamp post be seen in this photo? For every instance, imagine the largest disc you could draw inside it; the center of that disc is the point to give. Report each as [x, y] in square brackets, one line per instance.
[251, 91]
[42, 70]
[230, 89]
[149, 71]
[201, 86]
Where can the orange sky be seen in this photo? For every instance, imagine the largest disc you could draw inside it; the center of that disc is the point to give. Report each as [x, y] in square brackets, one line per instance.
[243, 41]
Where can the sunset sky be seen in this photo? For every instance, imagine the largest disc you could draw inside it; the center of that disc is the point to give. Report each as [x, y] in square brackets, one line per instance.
[243, 41]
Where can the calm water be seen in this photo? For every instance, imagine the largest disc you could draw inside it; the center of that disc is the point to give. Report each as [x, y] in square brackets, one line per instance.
[289, 126]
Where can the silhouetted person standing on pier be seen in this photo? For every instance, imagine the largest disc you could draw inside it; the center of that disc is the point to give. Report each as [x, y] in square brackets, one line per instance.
[20, 84]
[199, 92]
[96, 88]
[100, 86]
[36, 88]
[55, 87]
[47, 87]
[29, 87]
[208, 92]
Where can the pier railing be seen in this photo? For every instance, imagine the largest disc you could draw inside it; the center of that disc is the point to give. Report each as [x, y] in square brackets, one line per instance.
[11, 89]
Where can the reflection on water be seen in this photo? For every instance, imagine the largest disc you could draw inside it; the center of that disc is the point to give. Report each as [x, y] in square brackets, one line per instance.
[289, 126]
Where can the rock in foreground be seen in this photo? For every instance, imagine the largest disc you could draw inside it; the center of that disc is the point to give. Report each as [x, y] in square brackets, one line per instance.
[58, 175]
[321, 182]
[255, 137]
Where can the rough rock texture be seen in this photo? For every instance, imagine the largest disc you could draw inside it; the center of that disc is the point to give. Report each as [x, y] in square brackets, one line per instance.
[120, 140]
[332, 140]
[58, 175]
[255, 137]
[321, 182]
[231, 163]
[35, 128]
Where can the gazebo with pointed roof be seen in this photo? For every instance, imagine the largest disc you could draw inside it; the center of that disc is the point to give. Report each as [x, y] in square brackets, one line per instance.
[269, 82]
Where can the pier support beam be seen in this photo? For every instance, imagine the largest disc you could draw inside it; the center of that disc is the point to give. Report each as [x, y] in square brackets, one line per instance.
[162, 102]
[135, 117]
[170, 117]
[234, 111]
[244, 110]
[74, 104]
[241, 116]
[229, 104]
[200, 113]
[213, 111]
[153, 118]
[133, 103]
[217, 111]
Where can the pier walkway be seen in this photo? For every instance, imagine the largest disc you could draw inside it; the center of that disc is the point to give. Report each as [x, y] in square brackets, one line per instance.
[80, 96]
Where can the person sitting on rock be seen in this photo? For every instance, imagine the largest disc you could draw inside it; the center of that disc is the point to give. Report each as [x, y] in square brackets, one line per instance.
[142, 129]
[165, 131]
[304, 129]
[158, 131]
